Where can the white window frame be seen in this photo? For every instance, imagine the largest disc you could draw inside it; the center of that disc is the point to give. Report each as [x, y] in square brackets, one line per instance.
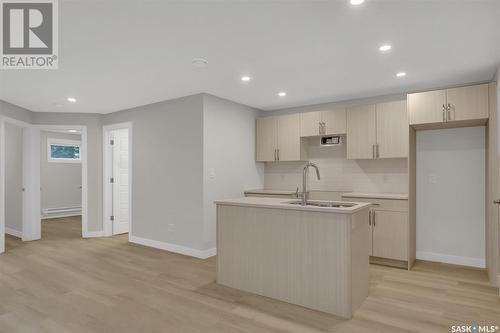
[63, 142]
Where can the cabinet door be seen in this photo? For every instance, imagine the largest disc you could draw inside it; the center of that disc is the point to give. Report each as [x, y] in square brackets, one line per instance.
[467, 103]
[361, 132]
[427, 107]
[335, 121]
[390, 235]
[289, 138]
[309, 123]
[266, 138]
[392, 129]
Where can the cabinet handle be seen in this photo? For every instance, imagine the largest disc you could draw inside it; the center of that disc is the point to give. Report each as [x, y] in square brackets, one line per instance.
[370, 218]
[448, 109]
[497, 202]
[319, 128]
[374, 218]
[275, 154]
[373, 151]
[278, 154]
[444, 113]
[378, 151]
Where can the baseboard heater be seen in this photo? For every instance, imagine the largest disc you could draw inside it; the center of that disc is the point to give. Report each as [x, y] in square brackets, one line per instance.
[61, 212]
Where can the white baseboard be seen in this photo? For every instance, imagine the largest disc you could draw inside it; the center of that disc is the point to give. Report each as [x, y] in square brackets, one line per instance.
[13, 232]
[92, 234]
[188, 251]
[449, 259]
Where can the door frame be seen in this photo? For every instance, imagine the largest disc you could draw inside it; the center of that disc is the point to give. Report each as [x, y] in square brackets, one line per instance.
[83, 132]
[31, 185]
[106, 160]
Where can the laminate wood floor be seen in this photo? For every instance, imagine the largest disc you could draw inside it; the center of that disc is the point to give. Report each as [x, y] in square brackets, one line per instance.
[64, 283]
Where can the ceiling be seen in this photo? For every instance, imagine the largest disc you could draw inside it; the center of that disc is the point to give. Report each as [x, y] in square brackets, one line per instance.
[115, 54]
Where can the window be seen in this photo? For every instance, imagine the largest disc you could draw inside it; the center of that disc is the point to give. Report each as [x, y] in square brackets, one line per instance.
[66, 151]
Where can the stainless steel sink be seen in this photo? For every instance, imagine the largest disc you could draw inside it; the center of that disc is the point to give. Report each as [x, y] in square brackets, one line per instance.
[331, 204]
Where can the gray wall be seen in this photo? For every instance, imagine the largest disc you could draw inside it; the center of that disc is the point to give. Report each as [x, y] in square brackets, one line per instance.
[15, 112]
[13, 177]
[60, 182]
[228, 156]
[94, 156]
[167, 170]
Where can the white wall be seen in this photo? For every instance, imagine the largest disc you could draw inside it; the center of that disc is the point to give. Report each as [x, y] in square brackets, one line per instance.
[229, 165]
[13, 177]
[451, 195]
[60, 182]
[338, 174]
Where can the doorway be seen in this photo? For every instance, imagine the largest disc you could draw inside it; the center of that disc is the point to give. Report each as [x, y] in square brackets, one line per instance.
[18, 184]
[117, 148]
[62, 172]
[61, 178]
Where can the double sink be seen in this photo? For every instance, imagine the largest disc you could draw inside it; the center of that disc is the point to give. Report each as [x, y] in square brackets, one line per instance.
[330, 204]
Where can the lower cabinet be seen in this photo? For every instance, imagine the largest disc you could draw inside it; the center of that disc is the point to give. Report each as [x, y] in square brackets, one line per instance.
[389, 230]
[390, 235]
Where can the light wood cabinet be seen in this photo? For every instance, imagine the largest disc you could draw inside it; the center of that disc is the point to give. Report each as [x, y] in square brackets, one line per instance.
[392, 130]
[449, 105]
[266, 138]
[377, 131]
[390, 235]
[310, 123]
[323, 122]
[289, 147]
[361, 132]
[278, 139]
[427, 107]
[467, 103]
[389, 230]
[334, 121]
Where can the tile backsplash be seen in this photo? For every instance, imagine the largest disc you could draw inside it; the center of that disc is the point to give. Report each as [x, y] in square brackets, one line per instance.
[338, 174]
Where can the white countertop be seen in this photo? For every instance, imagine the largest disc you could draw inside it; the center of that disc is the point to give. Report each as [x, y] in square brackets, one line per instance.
[395, 196]
[283, 203]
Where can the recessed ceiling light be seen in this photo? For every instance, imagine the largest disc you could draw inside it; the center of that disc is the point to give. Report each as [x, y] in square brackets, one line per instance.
[385, 47]
[245, 78]
[282, 94]
[357, 2]
[71, 99]
[199, 62]
[72, 131]
[401, 74]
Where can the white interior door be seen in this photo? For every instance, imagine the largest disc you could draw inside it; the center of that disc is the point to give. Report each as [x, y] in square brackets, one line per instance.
[120, 184]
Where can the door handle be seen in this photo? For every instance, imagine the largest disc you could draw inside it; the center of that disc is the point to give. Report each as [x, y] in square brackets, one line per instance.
[497, 202]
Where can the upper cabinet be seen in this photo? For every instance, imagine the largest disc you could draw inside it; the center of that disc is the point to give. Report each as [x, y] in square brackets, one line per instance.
[449, 105]
[467, 103]
[323, 122]
[278, 139]
[392, 130]
[361, 132]
[377, 131]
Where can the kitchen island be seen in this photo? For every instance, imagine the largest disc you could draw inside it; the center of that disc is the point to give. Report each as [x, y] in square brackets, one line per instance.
[314, 256]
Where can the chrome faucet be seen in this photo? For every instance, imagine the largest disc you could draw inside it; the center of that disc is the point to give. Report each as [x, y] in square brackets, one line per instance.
[304, 180]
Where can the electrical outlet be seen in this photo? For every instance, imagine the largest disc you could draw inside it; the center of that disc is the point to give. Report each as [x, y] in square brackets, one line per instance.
[433, 178]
